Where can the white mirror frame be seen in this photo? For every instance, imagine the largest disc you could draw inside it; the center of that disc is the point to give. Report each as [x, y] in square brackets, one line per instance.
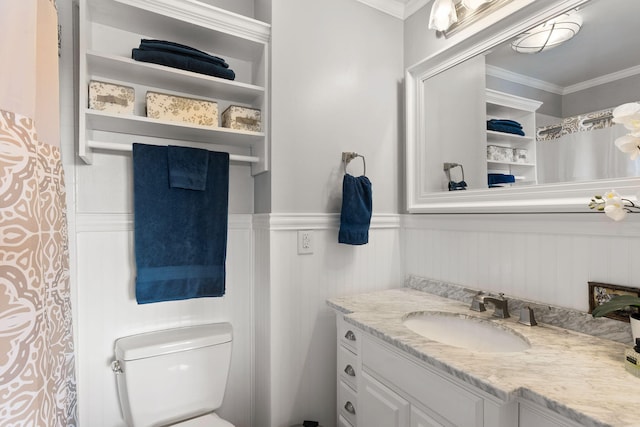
[562, 197]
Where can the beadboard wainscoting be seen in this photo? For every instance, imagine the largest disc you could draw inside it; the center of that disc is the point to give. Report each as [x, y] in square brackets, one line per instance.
[283, 363]
[106, 310]
[546, 257]
[295, 329]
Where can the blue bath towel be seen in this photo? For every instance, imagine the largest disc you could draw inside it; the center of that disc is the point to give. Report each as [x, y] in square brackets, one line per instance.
[182, 62]
[180, 234]
[357, 205]
[167, 46]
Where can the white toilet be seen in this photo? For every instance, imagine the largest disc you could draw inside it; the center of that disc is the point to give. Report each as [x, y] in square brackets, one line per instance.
[174, 377]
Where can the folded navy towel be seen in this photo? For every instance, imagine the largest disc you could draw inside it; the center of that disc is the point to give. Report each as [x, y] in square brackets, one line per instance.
[505, 122]
[499, 178]
[180, 235]
[357, 205]
[187, 167]
[505, 128]
[182, 62]
[181, 49]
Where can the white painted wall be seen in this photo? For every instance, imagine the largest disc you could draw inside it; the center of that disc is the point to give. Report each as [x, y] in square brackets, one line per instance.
[295, 330]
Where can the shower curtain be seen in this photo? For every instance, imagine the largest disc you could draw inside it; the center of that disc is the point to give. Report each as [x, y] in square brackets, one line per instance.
[582, 152]
[37, 381]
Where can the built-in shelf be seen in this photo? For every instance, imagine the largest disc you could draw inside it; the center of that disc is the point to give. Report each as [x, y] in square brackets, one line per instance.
[501, 105]
[145, 126]
[497, 162]
[126, 69]
[108, 30]
[495, 136]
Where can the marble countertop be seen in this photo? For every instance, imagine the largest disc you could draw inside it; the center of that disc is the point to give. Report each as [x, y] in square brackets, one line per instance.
[576, 375]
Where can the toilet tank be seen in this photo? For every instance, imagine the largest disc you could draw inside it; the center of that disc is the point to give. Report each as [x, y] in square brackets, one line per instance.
[168, 376]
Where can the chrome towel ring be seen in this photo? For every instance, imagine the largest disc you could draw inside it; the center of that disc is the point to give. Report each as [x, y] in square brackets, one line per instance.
[347, 156]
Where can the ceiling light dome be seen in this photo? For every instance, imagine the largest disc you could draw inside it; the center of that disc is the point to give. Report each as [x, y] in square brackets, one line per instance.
[548, 35]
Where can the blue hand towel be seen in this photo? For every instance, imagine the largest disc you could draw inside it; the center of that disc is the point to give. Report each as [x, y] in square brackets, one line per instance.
[180, 234]
[187, 167]
[167, 46]
[357, 205]
[182, 62]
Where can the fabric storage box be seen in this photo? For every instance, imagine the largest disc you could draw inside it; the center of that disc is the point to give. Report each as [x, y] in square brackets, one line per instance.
[111, 97]
[499, 154]
[180, 109]
[242, 118]
[520, 155]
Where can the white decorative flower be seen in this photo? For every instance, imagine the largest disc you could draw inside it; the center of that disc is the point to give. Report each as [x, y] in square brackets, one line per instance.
[615, 211]
[629, 144]
[628, 115]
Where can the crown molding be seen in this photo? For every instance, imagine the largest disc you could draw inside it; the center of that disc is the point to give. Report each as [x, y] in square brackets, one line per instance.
[510, 76]
[400, 9]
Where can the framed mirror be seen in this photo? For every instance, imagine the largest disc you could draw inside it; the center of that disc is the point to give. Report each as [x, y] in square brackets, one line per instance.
[560, 151]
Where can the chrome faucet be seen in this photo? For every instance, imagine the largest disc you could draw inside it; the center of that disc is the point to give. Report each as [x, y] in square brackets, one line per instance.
[501, 308]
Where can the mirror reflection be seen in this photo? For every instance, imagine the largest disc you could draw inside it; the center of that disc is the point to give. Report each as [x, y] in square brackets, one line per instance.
[546, 105]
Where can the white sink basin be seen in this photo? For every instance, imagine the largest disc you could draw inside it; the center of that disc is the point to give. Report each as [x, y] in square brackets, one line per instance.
[468, 332]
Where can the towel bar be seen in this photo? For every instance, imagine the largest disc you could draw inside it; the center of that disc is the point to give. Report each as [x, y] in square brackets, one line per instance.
[112, 146]
[347, 156]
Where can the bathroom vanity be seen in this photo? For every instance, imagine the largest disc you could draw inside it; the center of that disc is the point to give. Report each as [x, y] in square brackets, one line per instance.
[391, 376]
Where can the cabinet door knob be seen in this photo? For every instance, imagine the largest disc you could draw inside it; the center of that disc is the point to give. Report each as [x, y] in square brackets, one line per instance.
[350, 371]
[350, 336]
[350, 408]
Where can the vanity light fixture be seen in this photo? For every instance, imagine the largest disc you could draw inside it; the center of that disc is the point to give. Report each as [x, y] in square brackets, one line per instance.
[443, 15]
[474, 4]
[449, 15]
[548, 35]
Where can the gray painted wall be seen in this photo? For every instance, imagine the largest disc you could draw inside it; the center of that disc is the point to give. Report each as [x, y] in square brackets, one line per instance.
[336, 81]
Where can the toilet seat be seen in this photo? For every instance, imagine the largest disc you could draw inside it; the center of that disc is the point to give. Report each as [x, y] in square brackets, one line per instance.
[208, 420]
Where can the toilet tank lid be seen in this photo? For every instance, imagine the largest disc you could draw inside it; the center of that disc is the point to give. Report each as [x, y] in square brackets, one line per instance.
[168, 341]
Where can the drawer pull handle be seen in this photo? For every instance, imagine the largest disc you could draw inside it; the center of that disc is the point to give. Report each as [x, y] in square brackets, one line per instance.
[350, 336]
[350, 408]
[350, 371]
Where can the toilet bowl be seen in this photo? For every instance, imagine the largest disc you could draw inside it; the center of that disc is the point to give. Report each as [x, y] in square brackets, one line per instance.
[174, 377]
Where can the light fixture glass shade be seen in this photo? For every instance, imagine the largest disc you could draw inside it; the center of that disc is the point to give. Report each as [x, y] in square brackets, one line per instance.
[474, 4]
[443, 14]
[548, 35]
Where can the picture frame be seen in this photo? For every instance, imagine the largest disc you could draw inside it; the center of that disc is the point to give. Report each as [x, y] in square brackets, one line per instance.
[600, 293]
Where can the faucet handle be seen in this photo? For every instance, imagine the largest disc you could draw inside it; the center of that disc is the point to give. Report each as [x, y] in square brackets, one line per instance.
[477, 304]
[527, 317]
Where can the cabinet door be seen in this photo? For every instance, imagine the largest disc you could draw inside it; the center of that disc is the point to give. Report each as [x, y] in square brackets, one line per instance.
[380, 406]
[420, 419]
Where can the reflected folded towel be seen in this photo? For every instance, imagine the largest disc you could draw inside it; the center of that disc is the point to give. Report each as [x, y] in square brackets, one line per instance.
[499, 178]
[506, 122]
[506, 126]
[167, 46]
[357, 205]
[180, 234]
[182, 62]
[187, 167]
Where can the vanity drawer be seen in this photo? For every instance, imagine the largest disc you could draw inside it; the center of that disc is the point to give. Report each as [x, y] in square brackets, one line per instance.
[348, 370]
[347, 402]
[348, 335]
